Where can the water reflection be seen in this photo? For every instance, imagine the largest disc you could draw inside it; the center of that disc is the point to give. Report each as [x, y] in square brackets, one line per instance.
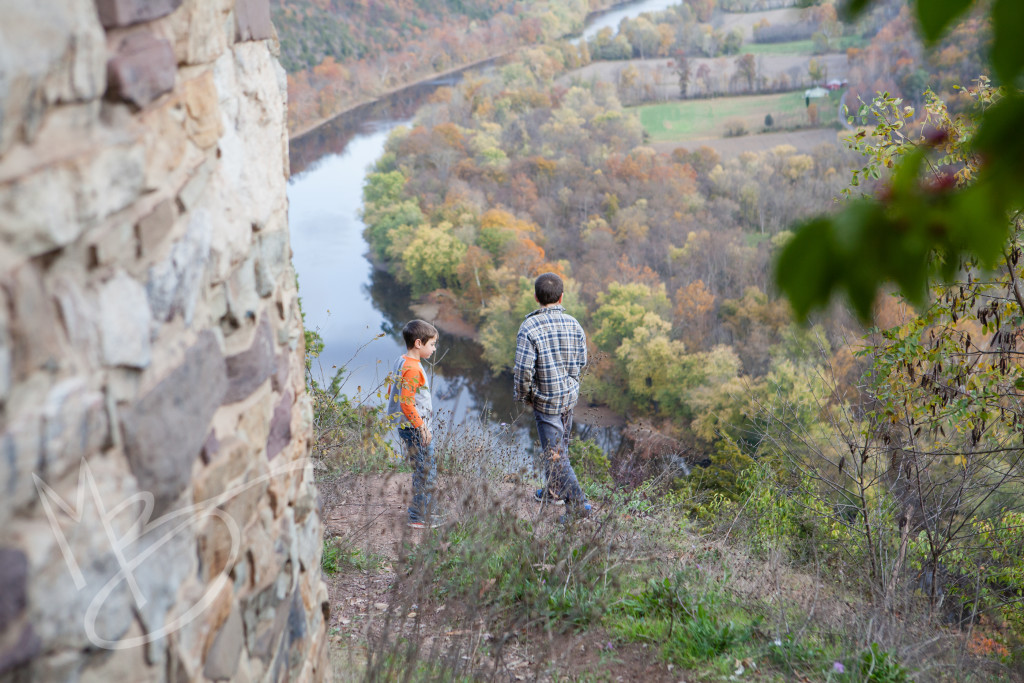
[613, 17]
[334, 136]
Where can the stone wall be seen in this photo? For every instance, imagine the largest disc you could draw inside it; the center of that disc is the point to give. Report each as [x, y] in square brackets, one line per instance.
[158, 518]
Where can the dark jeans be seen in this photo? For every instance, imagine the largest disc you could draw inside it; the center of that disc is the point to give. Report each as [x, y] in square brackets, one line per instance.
[554, 442]
[424, 473]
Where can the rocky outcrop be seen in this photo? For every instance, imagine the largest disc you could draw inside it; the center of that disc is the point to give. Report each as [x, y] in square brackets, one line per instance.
[158, 518]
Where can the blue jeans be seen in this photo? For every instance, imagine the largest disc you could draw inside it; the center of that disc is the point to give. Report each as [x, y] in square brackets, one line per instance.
[554, 442]
[424, 473]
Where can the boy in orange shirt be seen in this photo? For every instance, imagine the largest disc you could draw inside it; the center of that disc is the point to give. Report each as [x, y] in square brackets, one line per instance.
[409, 400]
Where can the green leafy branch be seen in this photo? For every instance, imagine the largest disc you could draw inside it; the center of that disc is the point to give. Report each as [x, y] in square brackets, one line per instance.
[921, 225]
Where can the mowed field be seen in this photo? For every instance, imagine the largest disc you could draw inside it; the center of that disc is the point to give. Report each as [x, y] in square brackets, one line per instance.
[804, 141]
[657, 75]
[800, 47]
[693, 119]
[744, 21]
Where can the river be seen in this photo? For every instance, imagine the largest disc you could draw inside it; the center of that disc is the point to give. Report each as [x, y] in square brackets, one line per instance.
[359, 310]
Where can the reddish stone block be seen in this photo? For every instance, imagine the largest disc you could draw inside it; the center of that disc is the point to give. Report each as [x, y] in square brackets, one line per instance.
[250, 368]
[280, 427]
[115, 13]
[14, 579]
[252, 20]
[143, 69]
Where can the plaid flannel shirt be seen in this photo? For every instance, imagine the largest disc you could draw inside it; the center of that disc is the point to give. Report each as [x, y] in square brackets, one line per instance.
[551, 352]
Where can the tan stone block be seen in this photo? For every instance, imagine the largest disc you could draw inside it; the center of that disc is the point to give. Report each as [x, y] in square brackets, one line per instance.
[108, 181]
[277, 492]
[204, 123]
[35, 330]
[117, 244]
[264, 563]
[227, 465]
[216, 615]
[251, 495]
[243, 675]
[210, 29]
[200, 30]
[166, 142]
[52, 52]
[154, 227]
[35, 219]
[193, 190]
[254, 418]
[218, 546]
[80, 314]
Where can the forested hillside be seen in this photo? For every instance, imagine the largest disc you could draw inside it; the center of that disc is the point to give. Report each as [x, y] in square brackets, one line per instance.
[339, 52]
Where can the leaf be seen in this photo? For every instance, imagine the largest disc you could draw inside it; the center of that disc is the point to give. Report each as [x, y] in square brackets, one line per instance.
[804, 271]
[486, 586]
[1008, 27]
[936, 15]
[854, 7]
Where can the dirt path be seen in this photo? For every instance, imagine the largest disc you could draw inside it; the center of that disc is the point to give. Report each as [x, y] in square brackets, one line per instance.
[803, 140]
[368, 513]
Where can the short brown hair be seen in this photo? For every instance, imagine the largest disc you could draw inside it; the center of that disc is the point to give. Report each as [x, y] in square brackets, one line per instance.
[548, 288]
[418, 329]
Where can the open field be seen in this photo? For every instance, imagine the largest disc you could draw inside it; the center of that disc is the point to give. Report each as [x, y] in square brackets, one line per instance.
[656, 80]
[799, 47]
[795, 47]
[744, 21]
[803, 140]
[692, 119]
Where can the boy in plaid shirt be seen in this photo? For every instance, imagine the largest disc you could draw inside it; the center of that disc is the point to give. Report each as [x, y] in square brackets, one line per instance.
[551, 352]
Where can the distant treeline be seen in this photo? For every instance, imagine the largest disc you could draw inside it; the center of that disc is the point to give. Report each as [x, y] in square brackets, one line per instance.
[689, 29]
[339, 52]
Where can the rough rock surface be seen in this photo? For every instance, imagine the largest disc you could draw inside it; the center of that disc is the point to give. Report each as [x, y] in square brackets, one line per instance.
[158, 520]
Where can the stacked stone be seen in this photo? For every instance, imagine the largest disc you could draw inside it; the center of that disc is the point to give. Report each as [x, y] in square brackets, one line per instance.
[158, 517]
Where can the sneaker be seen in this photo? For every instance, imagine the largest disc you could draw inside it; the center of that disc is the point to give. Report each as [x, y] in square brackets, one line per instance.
[435, 522]
[575, 512]
[545, 496]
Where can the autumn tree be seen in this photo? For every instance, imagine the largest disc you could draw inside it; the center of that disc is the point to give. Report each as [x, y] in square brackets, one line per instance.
[693, 310]
[681, 66]
[746, 69]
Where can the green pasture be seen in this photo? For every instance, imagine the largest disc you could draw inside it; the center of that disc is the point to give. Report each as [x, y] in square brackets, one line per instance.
[693, 119]
[796, 47]
[801, 47]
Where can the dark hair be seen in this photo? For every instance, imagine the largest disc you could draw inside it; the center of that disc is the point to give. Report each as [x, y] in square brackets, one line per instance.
[548, 288]
[418, 329]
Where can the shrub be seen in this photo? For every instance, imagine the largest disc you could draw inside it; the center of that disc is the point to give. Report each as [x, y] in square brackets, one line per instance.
[876, 665]
[734, 128]
[686, 614]
[512, 575]
[590, 462]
